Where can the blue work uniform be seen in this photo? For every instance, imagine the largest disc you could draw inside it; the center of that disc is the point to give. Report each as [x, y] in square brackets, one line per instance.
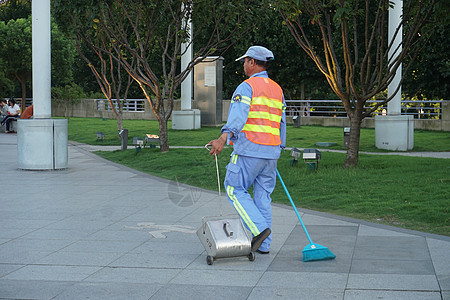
[251, 164]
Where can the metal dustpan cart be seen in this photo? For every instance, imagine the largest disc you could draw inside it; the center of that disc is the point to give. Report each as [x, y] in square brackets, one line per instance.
[224, 236]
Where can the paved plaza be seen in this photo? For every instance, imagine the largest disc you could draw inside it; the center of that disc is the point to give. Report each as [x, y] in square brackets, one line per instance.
[99, 230]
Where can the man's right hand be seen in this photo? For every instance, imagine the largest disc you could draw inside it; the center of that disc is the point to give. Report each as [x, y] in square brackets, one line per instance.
[218, 144]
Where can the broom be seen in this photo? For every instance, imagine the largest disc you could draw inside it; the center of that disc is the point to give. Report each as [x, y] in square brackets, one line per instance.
[312, 251]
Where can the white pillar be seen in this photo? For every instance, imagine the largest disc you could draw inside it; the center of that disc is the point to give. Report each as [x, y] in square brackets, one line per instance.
[186, 58]
[41, 48]
[395, 131]
[42, 141]
[186, 118]
[395, 18]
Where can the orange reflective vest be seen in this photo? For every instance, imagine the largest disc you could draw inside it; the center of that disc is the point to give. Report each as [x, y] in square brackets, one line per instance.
[264, 117]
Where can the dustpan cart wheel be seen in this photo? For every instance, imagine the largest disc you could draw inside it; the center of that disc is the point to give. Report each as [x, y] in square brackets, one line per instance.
[251, 256]
[209, 260]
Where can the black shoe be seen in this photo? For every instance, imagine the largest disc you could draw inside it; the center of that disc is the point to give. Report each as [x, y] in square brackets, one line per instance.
[262, 252]
[259, 239]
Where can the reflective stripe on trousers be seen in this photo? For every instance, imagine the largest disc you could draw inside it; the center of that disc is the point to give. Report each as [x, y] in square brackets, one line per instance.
[242, 173]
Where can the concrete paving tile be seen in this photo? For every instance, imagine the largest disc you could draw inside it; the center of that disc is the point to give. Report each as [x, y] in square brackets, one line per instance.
[444, 282]
[391, 248]
[5, 269]
[154, 260]
[32, 289]
[88, 226]
[295, 264]
[102, 246]
[311, 220]
[168, 246]
[109, 291]
[3, 241]
[440, 253]
[180, 291]
[321, 281]
[133, 275]
[299, 293]
[445, 295]
[105, 212]
[100, 259]
[390, 295]
[24, 224]
[392, 282]
[52, 273]
[58, 234]
[13, 233]
[365, 230]
[341, 246]
[241, 263]
[118, 235]
[34, 245]
[320, 234]
[21, 256]
[217, 277]
[387, 266]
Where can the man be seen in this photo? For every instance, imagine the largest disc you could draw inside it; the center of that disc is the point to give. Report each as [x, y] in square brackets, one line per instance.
[3, 109]
[13, 114]
[256, 127]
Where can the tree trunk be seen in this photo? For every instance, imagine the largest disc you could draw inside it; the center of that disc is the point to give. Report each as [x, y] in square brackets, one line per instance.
[351, 160]
[24, 95]
[163, 135]
[119, 118]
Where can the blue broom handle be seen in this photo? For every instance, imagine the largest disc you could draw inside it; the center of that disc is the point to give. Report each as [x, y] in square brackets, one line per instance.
[293, 205]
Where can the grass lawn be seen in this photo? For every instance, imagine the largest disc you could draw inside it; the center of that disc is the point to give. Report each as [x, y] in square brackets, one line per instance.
[84, 130]
[409, 192]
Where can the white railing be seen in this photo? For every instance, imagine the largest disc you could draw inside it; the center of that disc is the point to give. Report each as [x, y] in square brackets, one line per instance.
[130, 105]
[421, 109]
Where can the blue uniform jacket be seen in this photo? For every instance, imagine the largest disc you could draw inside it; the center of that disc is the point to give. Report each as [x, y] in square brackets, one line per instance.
[237, 117]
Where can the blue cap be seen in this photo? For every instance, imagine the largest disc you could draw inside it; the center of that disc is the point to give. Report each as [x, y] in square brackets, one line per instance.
[258, 52]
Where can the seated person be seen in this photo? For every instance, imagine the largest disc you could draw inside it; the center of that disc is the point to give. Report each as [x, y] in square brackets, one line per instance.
[13, 114]
[3, 109]
[27, 113]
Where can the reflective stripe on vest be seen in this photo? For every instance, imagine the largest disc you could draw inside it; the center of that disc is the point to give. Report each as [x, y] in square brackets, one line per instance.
[264, 117]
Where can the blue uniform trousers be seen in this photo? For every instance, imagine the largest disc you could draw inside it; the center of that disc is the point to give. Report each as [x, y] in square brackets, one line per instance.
[256, 212]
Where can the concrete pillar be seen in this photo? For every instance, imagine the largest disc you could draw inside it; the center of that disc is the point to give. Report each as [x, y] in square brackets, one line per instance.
[187, 118]
[445, 115]
[395, 131]
[395, 18]
[187, 85]
[41, 141]
[41, 51]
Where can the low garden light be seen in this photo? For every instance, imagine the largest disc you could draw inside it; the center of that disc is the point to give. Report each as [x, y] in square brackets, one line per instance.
[100, 136]
[312, 158]
[151, 139]
[295, 153]
[138, 143]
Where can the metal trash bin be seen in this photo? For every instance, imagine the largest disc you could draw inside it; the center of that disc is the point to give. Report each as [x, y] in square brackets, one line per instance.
[346, 136]
[124, 139]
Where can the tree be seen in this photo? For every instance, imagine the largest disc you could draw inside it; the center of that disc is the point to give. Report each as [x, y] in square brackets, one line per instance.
[15, 36]
[146, 37]
[108, 74]
[16, 53]
[349, 45]
[67, 96]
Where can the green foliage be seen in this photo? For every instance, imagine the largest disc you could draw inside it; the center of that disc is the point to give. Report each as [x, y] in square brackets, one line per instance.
[71, 93]
[15, 38]
[67, 96]
[84, 130]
